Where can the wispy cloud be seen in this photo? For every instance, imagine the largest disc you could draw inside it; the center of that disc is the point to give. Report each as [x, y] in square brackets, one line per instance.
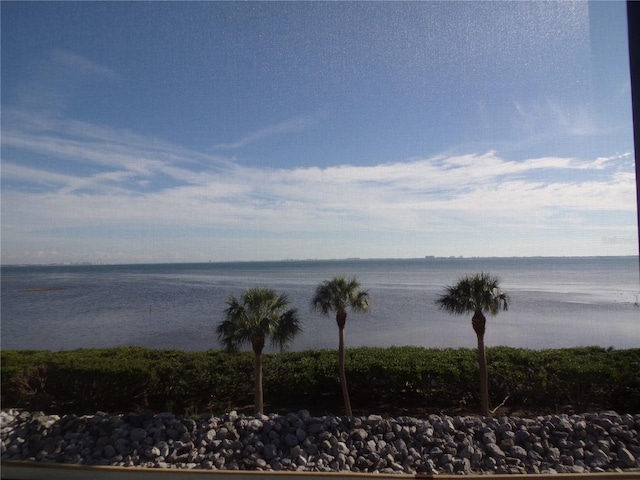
[79, 65]
[140, 184]
[550, 117]
[53, 81]
[82, 144]
[292, 125]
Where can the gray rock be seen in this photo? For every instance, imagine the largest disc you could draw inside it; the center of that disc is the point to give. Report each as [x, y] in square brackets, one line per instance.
[439, 444]
[503, 427]
[109, 452]
[518, 452]
[138, 434]
[495, 451]
[466, 451]
[445, 459]
[489, 437]
[359, 434]
[340, 448]
[462, 466]
[255, 424]
[153, 452]
[291, 439]
[534, 457]
[562, 423]
[600, 458]
[627, 457]
[211, 435]
[490, 464]
[232, 416]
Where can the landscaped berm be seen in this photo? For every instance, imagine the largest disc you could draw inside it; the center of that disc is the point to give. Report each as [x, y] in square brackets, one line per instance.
[414, 410]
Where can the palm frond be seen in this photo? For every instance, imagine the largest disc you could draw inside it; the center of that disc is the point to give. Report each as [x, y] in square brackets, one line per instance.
[227, 335]
[287, 327]
[360, 302]
[259, 313]
[479, 292]
[338, 294]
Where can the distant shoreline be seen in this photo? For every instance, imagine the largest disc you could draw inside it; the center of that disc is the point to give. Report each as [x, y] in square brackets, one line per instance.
[314, 260]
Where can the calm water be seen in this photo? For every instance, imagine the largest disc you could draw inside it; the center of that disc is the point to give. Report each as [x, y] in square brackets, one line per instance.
[555, 302]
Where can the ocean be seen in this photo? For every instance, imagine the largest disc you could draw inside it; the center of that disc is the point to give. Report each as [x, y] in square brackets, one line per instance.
[555, 303]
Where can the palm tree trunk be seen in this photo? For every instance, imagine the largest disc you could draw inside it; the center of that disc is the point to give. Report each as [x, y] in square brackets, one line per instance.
[257, 385]
[343, 375]
[483, 377]
[479, 323]
[257, 344]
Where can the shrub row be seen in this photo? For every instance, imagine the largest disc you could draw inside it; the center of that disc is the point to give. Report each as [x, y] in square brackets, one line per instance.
[390, 380]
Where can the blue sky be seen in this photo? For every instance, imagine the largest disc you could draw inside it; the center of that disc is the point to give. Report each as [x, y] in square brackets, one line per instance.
[184, 131]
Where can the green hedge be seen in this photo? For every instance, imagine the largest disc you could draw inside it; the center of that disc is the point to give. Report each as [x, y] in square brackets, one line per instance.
[391, 380]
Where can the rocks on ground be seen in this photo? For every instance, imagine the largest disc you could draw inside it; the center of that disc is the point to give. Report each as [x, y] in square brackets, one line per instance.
[300, 442]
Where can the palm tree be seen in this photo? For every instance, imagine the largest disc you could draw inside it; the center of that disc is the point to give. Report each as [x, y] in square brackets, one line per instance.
[476, 293]
[337, 295]
[260, 313]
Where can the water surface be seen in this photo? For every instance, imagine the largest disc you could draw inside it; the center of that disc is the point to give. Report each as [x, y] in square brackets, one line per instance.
[555, 302]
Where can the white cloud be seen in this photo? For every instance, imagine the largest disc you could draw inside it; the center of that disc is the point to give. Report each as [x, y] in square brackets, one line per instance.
[296, 124]
[145, 190]
[81, 66]
[52, 83]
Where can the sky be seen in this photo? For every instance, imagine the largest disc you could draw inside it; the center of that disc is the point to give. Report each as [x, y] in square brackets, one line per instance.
[147, 132]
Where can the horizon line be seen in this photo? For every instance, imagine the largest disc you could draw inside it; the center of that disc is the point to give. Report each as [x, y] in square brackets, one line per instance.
[294, 260]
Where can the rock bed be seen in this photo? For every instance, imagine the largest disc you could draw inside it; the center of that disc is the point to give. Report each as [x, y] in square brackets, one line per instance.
[300, 442]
